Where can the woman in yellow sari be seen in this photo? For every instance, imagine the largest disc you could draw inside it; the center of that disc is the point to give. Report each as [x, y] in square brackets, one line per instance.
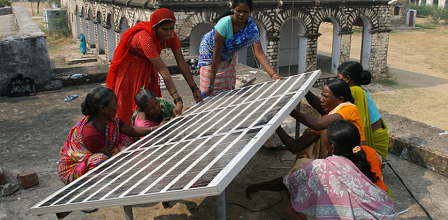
[375, 129]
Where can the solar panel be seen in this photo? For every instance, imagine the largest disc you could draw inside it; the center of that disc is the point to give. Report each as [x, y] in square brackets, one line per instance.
[194, 155]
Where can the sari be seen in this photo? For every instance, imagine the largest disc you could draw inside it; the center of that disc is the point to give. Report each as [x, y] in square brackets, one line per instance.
[226, 74]
[318, 150]
[82, 43]
[334, 188]
[361, 102]
[378, 140]
[75, 159]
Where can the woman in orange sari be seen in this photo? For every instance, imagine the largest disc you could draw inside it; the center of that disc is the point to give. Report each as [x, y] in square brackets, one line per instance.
[136, 63]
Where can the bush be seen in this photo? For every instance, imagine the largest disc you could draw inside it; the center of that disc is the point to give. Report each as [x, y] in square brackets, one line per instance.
[4, 3]
[423, 11]
[437, 14]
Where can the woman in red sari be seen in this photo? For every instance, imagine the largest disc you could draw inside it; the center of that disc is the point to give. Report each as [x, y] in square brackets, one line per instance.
[137, 61]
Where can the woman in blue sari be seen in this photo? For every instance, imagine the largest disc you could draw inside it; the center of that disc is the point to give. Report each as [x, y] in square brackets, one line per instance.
[82, 43]
[219, 47]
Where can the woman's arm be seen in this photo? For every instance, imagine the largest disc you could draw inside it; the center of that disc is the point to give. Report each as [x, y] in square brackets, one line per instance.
[318, 123]
[295, 146]
[259, 54]
[163, 70]
[217, 51]
[186, 72]
[314, 102]
[135, 131]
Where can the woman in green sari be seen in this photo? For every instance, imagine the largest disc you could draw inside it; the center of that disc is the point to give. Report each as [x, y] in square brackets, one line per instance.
[374, 127]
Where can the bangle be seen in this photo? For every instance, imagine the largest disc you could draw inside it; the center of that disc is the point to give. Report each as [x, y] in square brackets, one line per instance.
[173, 93]
[151, 129]
[178, 99]
[194, 88]
[211, 87]
[272, 74]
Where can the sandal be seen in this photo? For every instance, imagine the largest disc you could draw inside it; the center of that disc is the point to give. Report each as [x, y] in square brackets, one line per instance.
[70, 97]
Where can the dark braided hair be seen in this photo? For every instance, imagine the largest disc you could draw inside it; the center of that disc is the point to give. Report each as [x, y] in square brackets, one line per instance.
[355, 71]
[345, 136]
[96, 97]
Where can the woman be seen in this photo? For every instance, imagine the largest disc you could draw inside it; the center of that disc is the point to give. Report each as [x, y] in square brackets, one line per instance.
[340, 186]
[98, 136]
[82, 43]
[374, 127]
[220, 46]
[336, 103]
[152, 111]
[137, 60]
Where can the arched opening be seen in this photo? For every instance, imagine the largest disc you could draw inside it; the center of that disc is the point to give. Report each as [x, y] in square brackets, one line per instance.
[361, 36]
[329, 47]
[83, 22]
[292, 48]
[196, 36]
[111, 39]
[124, 26]
[246, 56]
[100, 33]
[91, 37]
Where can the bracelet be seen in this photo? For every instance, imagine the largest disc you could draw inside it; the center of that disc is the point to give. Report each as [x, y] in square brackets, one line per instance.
[178, 99]
[272, 74]
[173, 93]
[194, 88]
[211, 87]
[151, 129]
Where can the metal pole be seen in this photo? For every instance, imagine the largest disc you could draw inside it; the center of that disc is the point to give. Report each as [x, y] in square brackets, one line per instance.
[221, 205]
[298, 108]
[128, 212]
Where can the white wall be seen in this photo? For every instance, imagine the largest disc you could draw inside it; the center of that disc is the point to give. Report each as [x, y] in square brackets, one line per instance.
[196, 36]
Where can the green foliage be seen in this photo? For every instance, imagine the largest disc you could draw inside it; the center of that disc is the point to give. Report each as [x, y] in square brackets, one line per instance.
[436, 14]
[423, 11]
[4, 3]
[58, 28]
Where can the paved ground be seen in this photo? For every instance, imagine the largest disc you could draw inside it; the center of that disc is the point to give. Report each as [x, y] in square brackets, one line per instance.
[33, 130]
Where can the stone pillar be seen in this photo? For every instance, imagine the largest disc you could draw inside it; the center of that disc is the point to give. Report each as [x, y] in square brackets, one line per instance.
[272, 48]
[311, 50]
[106, 49]
[346, 42]
[378, 56]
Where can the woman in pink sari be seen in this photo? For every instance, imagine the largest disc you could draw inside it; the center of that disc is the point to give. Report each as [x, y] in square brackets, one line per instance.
[337, 187]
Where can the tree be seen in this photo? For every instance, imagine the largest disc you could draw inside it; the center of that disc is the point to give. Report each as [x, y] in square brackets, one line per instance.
[38, 3]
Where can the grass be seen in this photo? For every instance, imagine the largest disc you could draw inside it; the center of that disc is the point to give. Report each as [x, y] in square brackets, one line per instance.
[429, 25]
[387, 82]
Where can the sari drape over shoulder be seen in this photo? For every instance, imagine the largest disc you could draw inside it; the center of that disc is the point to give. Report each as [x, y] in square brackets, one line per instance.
[361, 102]
[334, 188]
[75, 159]
[226, 74]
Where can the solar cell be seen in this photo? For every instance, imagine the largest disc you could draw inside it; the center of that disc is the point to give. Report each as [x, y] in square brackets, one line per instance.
[194, 155]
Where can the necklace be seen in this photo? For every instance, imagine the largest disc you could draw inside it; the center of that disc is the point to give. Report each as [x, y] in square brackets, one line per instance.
[97, 128]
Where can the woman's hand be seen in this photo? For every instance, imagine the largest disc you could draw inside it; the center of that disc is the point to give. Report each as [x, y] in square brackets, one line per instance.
[276, 76]
[197, 96]
[210, 91]
[165, 120]
[178, 109]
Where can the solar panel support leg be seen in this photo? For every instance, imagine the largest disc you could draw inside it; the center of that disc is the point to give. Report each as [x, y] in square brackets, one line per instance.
[298, 108]
[128, 212]
[221, 205]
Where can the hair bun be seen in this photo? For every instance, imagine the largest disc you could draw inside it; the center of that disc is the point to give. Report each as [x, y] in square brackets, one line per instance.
[365, 78]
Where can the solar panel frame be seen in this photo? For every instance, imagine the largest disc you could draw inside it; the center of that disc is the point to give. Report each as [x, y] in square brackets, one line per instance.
[219, 182]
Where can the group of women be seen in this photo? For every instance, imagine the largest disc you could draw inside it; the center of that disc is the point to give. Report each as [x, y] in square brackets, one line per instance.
[343, 140]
